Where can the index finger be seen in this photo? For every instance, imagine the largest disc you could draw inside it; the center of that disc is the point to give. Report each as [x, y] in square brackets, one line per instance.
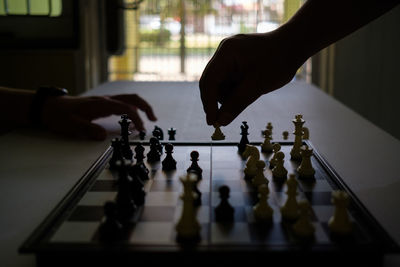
[136, 100]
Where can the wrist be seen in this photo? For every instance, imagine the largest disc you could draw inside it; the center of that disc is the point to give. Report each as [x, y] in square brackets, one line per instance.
[298, 49]
[40, 102]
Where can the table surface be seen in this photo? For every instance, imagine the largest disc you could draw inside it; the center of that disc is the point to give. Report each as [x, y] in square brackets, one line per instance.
[38, 168]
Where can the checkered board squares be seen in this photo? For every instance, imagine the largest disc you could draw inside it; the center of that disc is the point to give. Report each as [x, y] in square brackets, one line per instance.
[154, 223]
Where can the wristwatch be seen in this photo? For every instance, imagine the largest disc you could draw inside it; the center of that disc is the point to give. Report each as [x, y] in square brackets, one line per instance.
[39, 99]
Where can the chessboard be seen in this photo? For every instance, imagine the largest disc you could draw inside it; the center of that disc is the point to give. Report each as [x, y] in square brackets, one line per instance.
[70, 236]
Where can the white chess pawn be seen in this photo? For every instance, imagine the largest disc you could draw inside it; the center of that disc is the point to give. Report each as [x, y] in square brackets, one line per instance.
[262, 210]
[306, 169]
[269, 127]
[275, 147]
[290, 210]
[260, 178]
[285, 135]
[279, 172]
[304, 227]
[306, 133]
[267, 146]
[340, 222]
[253, 154]
[217, 135]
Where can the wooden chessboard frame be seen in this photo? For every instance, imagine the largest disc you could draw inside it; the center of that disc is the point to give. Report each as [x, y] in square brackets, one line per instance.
[47, 255]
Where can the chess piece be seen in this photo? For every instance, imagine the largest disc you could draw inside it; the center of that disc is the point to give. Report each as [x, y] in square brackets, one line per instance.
[217, 135]
[194, 167]
[224, 211]
[169, 163]
[154, 154]
[306, 170]
[269, 128]
[260, 178]
[140, 168]
[262, 211]
[279, 172]
[275, 148]
[117, 153]
[188, 228]
[303, 227]
[306, 133]
[142, 135]
[110, 229]
[171, 133]
[285, 135]
[125, 146]
[137, 189]
[244, 140]
[266, 146]
[158, 133]
[340, 223]
[197, 200]
[290, 210]
[298, 133]
[125, 205]
[253, 155]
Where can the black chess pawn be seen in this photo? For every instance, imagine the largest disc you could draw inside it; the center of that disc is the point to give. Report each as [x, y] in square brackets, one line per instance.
[154, 154]
[110, 229]
[125, 204]
[194, 157]
[244, 140]
[140, 168]
[117, 153]
[224, 211]
[169, 163]
[142, 135]
[171, 133]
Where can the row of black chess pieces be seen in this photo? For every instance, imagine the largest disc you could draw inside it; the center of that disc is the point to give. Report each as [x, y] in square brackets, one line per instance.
[130, 183]
[157, 132]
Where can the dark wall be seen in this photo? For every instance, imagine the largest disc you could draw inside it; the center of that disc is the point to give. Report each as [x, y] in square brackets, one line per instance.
[367, 72]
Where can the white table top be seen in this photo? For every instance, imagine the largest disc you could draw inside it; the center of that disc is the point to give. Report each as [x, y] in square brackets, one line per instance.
[37, 169]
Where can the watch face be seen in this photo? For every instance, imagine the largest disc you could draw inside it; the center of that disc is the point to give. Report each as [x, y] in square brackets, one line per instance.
[52, 91]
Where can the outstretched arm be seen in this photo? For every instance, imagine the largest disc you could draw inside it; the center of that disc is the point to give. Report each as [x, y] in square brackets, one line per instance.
[246, 66]
[71, 115]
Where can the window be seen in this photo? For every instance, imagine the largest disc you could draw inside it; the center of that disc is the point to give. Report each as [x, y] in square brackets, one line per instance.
[51, 8]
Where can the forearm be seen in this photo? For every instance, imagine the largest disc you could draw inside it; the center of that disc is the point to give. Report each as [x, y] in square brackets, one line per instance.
[14, 106]
[317, 24]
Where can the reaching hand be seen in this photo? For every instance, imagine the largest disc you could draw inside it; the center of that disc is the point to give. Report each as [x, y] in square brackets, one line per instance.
[73, 115]
[243, 68]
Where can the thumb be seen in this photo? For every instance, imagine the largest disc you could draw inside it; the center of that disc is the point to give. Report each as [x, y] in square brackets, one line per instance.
[244, 95]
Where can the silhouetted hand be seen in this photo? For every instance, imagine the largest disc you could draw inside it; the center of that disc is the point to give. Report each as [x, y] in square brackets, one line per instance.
[73, 116]
[243, 68]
